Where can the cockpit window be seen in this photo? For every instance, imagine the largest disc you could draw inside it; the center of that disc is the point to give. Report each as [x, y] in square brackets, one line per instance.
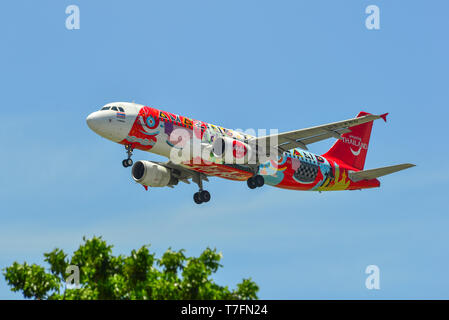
[105, 108]
[121, 109]
[114, 108]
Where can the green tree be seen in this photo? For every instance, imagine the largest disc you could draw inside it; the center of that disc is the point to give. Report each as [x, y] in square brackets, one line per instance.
[138, 276]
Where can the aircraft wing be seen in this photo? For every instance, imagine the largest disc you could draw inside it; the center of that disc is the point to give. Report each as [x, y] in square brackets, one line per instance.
[302, 137]
[376, 173]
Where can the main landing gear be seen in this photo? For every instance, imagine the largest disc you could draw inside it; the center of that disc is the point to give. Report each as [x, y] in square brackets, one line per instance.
[202, 195]
[256, 181]
[129, 151]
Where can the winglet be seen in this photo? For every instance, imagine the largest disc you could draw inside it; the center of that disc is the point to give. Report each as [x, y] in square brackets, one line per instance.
[384, 116]
[146, 187]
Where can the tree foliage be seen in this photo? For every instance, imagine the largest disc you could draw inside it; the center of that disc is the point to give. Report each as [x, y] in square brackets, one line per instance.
[138, 276]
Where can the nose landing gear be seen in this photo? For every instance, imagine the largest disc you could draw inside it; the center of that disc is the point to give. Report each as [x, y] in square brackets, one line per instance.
[129, 151]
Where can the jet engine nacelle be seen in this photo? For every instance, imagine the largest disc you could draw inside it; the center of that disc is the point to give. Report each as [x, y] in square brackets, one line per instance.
[152, 174]
[232, 151]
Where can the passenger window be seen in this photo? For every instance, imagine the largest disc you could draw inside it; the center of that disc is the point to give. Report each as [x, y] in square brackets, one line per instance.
[105, 108]
[121, 109]
[114, 108]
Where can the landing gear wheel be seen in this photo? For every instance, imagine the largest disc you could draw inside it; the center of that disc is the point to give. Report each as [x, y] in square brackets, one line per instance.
[251, 183]
[204, 196]
[260, 181]
[128, 162]
[196, 198]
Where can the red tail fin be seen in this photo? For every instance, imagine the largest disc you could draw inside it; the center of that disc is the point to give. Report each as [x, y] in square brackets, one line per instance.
[352, 149]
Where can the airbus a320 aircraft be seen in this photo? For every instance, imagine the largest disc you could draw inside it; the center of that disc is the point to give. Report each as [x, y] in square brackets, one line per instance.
[280, 160]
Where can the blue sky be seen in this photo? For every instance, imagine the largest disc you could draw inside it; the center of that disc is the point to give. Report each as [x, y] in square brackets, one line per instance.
[239, 64]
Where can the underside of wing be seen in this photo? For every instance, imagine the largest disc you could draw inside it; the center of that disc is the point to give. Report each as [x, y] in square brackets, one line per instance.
[185, 171]
[181, 173]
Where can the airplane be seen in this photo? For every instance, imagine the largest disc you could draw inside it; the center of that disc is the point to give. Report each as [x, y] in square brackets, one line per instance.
[198, 150]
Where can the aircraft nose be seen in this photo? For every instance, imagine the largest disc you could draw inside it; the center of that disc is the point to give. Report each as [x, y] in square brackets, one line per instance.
[111, 123]
[93, 121]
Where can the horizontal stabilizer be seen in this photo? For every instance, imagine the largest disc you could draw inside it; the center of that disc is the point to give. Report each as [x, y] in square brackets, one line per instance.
[379, 172]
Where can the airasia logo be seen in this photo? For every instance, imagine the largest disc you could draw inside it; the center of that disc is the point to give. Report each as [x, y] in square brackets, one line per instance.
[239, 149]
[357, 143]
